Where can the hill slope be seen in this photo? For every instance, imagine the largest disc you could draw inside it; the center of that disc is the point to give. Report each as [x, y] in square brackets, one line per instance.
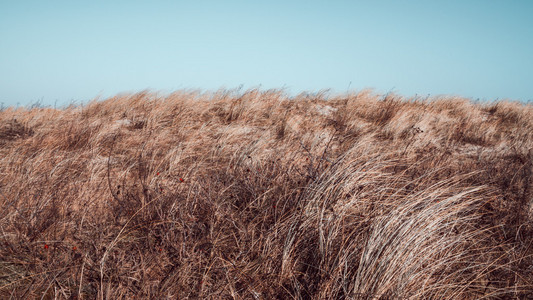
[256, 195]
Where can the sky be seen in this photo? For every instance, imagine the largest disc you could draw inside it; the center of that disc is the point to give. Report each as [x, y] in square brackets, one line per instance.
[60, 52]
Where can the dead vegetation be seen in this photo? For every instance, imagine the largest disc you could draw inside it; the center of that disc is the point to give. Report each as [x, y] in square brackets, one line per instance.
[257, 195]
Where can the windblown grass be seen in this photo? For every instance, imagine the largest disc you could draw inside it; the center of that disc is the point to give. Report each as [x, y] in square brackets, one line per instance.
[257, 195]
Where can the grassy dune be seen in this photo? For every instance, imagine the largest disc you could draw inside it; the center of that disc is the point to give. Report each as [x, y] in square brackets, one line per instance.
[256, 195]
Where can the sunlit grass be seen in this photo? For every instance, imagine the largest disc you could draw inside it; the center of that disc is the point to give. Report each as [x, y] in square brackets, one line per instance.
[257, 195]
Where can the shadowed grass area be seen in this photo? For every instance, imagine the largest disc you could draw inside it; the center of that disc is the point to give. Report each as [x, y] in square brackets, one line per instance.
[257, 195]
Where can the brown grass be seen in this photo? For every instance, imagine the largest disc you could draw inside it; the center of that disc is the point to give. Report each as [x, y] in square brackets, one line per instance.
[258, 195]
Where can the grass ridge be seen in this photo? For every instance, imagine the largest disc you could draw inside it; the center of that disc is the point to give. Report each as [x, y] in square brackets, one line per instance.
[258, 195]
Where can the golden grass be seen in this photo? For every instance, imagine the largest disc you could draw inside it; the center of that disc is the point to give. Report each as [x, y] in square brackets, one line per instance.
[257, 195]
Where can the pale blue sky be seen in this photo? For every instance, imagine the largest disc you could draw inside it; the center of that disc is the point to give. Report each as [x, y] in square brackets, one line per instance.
[62, 51]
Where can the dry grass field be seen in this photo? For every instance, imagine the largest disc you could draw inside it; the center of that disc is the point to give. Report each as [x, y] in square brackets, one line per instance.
[258, 195]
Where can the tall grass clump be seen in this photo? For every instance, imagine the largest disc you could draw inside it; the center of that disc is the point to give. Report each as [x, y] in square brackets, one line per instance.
[258, 195]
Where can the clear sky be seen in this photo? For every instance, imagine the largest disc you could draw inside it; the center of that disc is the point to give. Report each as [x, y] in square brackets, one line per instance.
[63, 51]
